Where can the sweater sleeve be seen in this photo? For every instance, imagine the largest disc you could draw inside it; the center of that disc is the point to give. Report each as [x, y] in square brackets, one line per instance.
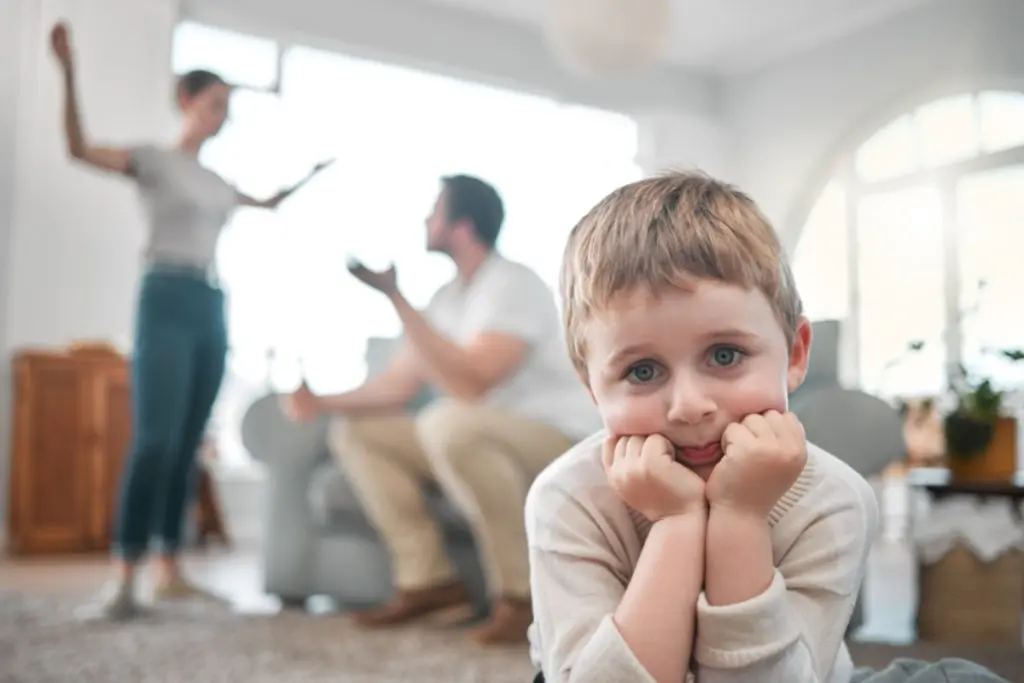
[577, 583]
[794, 630]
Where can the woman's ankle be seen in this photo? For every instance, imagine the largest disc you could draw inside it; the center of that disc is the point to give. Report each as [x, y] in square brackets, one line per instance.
[167, 570]
[124, 571]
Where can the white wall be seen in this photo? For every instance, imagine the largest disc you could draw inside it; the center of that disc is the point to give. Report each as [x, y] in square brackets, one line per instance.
[69, 238]
[681, 140]
[791, 121]
[10, 53]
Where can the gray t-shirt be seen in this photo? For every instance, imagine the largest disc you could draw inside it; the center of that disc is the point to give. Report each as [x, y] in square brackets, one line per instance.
[509, 298]
[186, 204]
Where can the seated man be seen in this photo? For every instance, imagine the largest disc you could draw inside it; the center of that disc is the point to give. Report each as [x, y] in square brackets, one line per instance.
[490, 342]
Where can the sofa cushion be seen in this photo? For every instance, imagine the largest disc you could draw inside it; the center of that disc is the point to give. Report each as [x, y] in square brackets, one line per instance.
[333, 504]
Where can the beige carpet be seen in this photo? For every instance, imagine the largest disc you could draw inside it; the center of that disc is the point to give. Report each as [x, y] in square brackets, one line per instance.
[41, 642]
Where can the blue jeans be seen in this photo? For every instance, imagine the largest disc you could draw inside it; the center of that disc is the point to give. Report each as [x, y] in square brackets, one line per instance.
[177, 367]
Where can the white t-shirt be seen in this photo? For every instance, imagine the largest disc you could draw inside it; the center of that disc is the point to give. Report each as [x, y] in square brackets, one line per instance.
[510, 298]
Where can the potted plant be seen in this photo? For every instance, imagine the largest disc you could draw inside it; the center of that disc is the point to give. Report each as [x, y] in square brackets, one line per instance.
[981, 441]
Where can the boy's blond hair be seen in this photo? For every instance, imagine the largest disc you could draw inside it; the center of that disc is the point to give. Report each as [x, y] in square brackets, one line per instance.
[663, 233]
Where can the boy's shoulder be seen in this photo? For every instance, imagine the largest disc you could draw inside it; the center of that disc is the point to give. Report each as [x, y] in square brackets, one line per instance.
[836, 485]
[574, 490]
[573, 474]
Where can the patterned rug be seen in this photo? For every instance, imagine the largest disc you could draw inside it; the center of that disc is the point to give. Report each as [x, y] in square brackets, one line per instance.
[41, 642]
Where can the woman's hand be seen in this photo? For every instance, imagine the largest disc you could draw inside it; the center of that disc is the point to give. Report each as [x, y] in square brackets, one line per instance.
[321, 166]
[276, 200]
[60, 43]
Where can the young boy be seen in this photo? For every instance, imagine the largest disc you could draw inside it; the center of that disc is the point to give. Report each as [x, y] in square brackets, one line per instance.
[700, 537]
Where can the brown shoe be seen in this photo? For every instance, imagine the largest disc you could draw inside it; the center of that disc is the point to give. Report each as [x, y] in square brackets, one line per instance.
[510, 619]
[442, 602]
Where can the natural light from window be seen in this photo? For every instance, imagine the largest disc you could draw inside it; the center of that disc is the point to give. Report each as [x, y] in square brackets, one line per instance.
[395, 132]
[936, 201]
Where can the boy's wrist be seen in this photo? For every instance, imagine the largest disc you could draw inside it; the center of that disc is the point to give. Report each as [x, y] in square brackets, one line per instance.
[738, 511]
[698, 512]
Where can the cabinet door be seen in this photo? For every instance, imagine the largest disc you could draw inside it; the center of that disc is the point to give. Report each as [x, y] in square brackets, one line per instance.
[112, 413]
[51, 473]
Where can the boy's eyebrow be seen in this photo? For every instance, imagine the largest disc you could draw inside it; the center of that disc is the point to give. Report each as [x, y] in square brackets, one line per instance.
[735, 333]
[632, 350]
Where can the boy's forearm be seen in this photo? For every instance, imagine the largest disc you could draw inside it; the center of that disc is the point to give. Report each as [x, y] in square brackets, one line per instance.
[657, 613]
[739, 563]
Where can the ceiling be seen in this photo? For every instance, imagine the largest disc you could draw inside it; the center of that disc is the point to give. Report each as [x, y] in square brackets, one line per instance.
[728, 36]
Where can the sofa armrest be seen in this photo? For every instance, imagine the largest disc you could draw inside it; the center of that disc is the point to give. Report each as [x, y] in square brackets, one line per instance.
[271, 437]
[291, 453]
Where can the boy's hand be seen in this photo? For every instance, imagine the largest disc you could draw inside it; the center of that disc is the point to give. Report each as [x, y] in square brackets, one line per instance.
[763, 456]
[644, 473]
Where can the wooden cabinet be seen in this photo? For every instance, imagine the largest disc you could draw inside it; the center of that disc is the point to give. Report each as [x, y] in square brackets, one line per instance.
[71, 430]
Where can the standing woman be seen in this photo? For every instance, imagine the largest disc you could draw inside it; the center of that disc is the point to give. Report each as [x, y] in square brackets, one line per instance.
[180, 345]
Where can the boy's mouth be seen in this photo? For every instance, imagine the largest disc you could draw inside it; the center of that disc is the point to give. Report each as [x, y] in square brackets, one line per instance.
[699, 455]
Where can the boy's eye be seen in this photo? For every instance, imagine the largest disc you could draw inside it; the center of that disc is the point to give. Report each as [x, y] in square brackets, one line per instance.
[726, 356]
[642, 372]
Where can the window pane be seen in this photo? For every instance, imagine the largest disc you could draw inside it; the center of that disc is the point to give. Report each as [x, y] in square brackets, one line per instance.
[991, 220]
[239, 59]
[254, 151]
[947, 130]
[889, 153]
[820, 263]
[900, 275]
[1002, 120]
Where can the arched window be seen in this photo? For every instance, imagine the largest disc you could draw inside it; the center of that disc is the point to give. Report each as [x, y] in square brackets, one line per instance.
[920, 239]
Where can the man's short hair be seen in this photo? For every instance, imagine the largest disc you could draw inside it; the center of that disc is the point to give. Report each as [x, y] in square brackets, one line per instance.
[472, 199]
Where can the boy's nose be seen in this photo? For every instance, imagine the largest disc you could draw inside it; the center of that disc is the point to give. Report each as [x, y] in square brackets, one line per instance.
[690, 404]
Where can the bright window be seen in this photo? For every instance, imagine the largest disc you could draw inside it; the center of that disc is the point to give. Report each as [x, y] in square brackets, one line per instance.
[395, 132]
[820, 264]
[937, 198]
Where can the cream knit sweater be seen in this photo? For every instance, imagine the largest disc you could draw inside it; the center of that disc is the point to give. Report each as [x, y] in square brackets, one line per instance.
[585, 543]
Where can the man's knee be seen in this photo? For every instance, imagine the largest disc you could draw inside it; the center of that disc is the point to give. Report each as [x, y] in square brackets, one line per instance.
[448, 428]
[349, 435]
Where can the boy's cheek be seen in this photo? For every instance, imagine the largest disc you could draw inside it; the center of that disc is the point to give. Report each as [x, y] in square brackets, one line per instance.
[755, 398]
[631, 416]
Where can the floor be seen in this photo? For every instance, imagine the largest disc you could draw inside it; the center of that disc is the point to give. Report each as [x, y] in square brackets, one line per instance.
[889, 598]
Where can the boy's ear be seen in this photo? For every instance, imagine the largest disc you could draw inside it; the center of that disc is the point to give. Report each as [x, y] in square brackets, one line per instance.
[799, 356]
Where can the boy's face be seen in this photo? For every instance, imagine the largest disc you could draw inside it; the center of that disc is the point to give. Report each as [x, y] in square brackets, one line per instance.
[687, 364]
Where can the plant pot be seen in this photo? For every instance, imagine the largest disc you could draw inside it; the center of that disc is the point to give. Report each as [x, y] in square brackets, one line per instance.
[997, 462]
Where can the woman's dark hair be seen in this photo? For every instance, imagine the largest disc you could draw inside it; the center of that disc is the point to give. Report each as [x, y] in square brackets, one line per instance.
[469, 198]
[196, 81]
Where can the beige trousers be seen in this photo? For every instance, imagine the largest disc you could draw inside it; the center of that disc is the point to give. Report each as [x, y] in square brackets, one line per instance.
[483, 459]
